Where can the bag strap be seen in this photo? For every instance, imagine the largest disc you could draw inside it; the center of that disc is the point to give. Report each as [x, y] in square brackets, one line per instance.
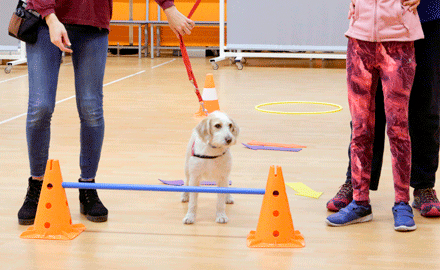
[21, 9]
[21, 4]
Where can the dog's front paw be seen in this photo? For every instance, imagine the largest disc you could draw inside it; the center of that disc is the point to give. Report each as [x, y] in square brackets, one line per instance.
[184, 197]
[229, 199]
[221, 218]
[189, 219]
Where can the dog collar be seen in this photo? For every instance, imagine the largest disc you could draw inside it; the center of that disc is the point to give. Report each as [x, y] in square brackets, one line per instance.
[203, 156]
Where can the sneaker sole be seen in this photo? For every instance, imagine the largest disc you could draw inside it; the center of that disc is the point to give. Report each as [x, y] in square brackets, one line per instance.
[332, 207]
[359, 220]
[404, 228]
[433, 212]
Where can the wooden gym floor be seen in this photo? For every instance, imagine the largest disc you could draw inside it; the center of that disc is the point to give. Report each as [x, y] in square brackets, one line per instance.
[149, 107]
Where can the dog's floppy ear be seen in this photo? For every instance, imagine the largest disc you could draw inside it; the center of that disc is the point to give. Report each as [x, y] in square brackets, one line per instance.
[235, 129]
[204, 129]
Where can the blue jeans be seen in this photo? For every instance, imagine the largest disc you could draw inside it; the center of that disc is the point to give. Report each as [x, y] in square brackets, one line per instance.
[89, 58]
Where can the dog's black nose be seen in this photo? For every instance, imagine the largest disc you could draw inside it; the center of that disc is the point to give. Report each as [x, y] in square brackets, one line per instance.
[228, 140]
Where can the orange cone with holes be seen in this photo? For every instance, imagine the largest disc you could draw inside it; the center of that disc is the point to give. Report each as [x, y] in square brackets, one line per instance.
[53, 220]
[275, 227]
[209, 96]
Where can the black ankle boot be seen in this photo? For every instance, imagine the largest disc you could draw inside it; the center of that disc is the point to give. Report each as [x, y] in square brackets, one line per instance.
[90, 205]
[26, 214]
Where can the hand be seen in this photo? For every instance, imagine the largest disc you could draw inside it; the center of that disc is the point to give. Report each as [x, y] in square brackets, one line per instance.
[413, 4]
[58, 33]
[351, 10]
[180, 24]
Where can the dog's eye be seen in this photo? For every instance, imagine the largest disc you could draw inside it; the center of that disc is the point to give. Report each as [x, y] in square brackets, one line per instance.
[218, 126]
[231, 126]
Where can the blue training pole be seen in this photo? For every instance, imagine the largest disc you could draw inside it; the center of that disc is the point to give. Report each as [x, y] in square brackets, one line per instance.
[164, 188]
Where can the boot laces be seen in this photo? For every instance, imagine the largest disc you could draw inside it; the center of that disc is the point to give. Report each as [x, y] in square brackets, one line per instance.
[91, 195]
[33, 192]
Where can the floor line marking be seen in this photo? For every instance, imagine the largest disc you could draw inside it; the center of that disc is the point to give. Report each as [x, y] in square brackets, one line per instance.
[109, 83]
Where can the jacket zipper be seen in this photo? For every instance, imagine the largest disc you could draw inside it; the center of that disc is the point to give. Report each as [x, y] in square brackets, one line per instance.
[375, 18]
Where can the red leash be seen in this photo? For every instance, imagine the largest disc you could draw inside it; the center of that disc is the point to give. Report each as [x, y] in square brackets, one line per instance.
[187, 63]
[194, 8]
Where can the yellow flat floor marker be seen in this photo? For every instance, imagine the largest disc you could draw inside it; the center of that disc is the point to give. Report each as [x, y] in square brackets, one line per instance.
[304, 190]
[338, 107]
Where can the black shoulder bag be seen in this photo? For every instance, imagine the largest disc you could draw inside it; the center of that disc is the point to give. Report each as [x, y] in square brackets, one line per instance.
[24, 23]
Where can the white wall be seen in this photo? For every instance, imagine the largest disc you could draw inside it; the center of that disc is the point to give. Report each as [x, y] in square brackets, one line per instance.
[7, 43]
[311, 25]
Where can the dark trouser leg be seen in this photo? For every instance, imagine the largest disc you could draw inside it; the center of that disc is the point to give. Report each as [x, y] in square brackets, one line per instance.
[424, 108]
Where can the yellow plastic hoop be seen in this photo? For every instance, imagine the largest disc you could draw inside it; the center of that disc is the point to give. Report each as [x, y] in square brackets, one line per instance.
[338, 107]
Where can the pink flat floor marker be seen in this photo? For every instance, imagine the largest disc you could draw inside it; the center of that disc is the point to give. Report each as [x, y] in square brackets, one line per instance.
[261, 147]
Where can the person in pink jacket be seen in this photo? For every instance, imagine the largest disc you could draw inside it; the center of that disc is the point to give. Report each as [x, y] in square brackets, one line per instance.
[381, 39]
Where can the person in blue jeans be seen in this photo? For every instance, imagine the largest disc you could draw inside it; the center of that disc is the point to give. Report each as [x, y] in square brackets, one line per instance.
[80, 28]
[424, 106]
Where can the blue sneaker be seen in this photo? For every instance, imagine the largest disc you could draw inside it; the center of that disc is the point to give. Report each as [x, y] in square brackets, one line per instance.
[403, 217]
[350, 214]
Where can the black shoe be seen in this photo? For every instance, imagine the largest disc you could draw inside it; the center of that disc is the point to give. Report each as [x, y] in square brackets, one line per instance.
[90, 205]
[26, 214]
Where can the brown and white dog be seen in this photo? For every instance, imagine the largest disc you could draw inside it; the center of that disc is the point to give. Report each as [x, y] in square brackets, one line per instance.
[208, 157]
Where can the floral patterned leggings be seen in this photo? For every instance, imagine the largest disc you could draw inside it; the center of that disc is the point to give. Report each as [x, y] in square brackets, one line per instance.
[394, 63]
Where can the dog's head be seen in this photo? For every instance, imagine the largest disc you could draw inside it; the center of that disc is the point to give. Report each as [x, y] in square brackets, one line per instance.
[218, 130]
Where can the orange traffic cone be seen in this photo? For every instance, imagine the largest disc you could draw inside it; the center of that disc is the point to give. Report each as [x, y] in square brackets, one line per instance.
[53, 219]
[275, 226]
[209, 96]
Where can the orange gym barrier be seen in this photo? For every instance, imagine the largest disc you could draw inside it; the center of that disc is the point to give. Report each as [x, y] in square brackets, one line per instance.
[275, 227]
[53, 219]
[209, 96]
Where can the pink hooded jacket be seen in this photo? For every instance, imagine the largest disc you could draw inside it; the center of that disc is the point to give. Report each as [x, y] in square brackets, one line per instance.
[384, 20]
